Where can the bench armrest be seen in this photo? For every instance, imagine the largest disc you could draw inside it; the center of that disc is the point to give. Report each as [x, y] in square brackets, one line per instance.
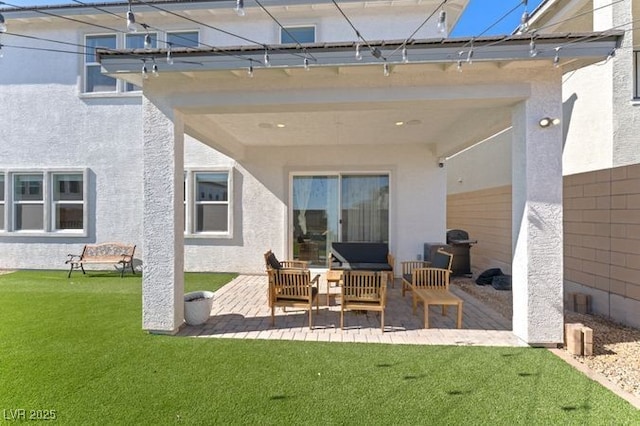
[73, 258]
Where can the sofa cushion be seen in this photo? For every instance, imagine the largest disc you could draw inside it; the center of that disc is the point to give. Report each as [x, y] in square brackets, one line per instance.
[360, 252]
[369, 266]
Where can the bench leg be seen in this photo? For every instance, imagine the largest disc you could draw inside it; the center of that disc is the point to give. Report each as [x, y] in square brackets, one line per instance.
[70, 270]
[124, 266]
[82, 267]
[133, 271]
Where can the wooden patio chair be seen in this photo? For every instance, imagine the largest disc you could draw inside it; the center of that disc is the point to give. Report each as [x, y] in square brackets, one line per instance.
[293, 288]
[272, 263]
[431, 287]
[407, 269]
[363, 291]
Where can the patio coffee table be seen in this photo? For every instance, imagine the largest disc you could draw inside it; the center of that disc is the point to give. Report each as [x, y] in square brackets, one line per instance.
[333, 276]
[437, 297]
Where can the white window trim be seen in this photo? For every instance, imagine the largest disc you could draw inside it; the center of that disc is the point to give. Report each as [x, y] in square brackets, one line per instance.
[636, 79]
[3, 203]
[48, 204]
[190, 203]
[85, 67]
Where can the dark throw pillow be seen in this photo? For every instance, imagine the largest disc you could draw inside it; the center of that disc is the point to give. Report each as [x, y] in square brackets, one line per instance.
[273, 261]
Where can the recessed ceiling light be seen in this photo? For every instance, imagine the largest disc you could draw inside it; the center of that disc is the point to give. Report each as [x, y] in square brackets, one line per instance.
[399, 123]
[280, 125]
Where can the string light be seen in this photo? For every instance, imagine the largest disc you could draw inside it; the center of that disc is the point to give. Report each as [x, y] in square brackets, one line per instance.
[147, 41]
[533, 51]
[240, 8]
[267, 62]
[358, 52]
[154, 69]
[405, 57]
[306, 64]
[169, 57]
[459, 66]
[145, 74]
[250, 69]
[385, 69]
[470, 54]
[556, 58]
[442, 21]
[524, 19]
[131, 20]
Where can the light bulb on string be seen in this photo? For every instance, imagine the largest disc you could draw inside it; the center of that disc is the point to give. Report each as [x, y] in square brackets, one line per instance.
[358, 52]
[385, 69]
[442, 22]
[267, 61]
[240, 8]
[169, 57]
[405, 56]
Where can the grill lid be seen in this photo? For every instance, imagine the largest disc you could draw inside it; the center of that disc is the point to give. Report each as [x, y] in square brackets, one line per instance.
[459, 236]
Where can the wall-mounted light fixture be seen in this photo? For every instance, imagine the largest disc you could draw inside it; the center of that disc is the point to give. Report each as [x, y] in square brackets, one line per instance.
[548, 122]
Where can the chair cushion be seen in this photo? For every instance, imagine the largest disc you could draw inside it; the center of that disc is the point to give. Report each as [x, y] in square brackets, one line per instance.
[370, 266]
[273, 261]
[440, 261]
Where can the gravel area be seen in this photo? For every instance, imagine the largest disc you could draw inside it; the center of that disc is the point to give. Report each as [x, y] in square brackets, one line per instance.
[616, 348]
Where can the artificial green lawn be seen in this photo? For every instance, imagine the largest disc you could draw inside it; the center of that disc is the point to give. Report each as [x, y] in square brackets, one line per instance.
[76, 346]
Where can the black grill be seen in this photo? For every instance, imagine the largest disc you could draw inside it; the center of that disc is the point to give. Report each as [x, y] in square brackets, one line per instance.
[460, 244]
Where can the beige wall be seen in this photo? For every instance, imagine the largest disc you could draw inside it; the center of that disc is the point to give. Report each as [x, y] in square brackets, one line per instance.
[602, 240]
[601, 236]
[486, 215]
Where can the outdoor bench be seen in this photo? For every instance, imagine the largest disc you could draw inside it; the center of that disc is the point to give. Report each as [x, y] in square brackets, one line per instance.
[107, 253]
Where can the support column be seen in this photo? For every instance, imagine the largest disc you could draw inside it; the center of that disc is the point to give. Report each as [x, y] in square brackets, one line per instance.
[163, 220]
[537, 215]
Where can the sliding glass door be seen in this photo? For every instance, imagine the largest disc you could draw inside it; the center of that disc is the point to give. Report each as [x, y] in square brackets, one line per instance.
[337, 207]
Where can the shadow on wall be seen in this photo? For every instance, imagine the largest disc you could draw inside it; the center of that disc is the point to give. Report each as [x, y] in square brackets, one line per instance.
[567, 113]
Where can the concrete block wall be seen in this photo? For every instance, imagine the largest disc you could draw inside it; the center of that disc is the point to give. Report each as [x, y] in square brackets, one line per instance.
[601, 236]
[602, 240]
[486, 215]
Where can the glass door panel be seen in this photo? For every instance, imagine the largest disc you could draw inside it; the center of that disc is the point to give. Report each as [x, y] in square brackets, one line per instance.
[365, 208]
[315, 217]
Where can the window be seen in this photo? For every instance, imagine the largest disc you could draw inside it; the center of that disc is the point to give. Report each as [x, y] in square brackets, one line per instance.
[1, 201]
[298, 34]
[136, 41]
[28, 202]
[43, 202]
[208, 202]
[636, 61]
[183, 39]
[68, 201]
[94, 80]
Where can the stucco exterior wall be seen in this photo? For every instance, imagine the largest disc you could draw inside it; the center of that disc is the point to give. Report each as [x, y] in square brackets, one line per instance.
[46, 126]
[262, 193]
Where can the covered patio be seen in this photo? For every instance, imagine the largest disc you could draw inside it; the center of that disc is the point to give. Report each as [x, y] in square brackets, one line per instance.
[343, 115]
[240, 311]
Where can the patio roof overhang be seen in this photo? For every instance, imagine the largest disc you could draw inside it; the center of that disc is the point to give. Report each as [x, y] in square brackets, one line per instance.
[574, 51]
[344, 101]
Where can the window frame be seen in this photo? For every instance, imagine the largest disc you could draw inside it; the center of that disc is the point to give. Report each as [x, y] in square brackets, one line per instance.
[54, 203]
[636, 80]
[48, 203]
[3, 185]
[191, 202]
[86, 65]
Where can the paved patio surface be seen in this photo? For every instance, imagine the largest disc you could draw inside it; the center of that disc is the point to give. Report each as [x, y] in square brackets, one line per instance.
[240, 311]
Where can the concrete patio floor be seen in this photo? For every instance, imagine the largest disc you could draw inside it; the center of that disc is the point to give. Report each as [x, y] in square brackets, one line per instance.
[240, 311]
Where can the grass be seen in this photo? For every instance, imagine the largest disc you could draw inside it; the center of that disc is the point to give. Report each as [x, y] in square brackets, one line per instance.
[76, 346]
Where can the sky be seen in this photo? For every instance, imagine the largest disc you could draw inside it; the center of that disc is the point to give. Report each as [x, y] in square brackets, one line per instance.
[479, 15]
